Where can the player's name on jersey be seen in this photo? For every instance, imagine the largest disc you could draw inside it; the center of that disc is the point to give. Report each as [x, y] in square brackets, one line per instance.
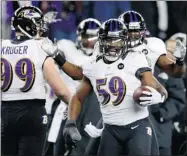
[6, 50]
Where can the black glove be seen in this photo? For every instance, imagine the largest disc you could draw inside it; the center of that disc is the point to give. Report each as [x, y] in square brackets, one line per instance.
[71, 134]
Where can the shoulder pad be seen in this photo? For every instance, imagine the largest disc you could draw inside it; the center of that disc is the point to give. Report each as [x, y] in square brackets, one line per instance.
[65, 42]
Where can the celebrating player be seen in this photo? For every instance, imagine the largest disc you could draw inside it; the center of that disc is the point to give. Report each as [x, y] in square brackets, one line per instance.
[114, 76]
[25, 68]
[156, 49]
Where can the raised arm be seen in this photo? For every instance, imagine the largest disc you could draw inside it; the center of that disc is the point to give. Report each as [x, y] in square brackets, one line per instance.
[173, 64]
[53, 78]
[75, 72]
[172, 68]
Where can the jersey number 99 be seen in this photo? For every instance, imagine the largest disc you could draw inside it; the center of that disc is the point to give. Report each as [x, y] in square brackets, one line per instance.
[116, 87]
[24, 70]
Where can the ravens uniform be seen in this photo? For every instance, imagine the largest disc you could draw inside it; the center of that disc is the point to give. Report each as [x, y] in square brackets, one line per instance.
[23, 77]
[114, 76]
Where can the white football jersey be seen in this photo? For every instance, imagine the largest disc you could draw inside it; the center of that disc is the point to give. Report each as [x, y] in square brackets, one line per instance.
[114, 85]
[153, 49]
[22, 74]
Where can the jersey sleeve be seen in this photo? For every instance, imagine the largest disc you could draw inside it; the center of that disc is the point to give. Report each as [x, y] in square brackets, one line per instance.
[66, 46]
[157, 46]
[86, 68]
[139, 64]
[70, 51]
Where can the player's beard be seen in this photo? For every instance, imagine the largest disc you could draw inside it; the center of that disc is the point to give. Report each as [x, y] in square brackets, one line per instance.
[113, 55]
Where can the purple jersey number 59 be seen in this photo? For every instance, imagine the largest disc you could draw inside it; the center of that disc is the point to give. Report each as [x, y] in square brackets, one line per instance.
[24, 70]
[116, 87]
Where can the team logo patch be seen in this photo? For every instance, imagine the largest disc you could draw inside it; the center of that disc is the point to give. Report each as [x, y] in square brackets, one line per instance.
[149, 131]
[145, 51]
[120, 66]
[45, 119]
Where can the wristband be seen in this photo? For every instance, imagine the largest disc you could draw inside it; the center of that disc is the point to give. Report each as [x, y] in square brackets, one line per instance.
[70, 123]
[59, 59]
[179, 62]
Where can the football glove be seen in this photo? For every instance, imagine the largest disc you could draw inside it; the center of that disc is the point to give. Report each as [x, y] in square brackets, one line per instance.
[71, 134]
[179, 52]
[52, 50]
[153, 97]
[180, 36]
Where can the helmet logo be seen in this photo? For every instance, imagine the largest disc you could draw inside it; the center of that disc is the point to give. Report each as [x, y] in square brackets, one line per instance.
[21, 14]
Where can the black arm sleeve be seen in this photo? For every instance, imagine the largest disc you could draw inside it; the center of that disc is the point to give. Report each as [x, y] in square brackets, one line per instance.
[140, 71]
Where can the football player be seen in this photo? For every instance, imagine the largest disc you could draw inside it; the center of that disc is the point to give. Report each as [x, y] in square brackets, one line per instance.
[113, 76]
[153, 48]
[76, 53]
[25, 68]
[156, 49]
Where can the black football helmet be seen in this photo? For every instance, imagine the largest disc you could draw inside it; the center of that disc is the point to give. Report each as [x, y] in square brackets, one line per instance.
[87, 35]
[112, 39]
[28, 20]
[136, 27]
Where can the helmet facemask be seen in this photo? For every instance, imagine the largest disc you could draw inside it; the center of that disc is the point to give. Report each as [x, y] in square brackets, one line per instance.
[87, 35]
[112, 40]
[112, 48]
[136, 27]
[87, 42]
[135, 34]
